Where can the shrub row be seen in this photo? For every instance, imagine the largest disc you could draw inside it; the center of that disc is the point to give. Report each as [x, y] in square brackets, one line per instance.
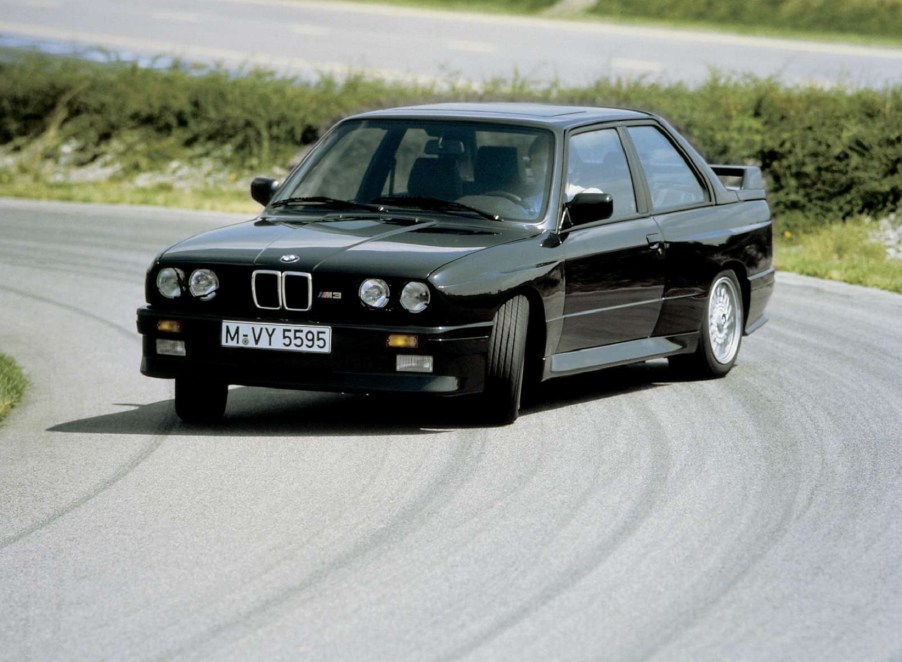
[827, 153]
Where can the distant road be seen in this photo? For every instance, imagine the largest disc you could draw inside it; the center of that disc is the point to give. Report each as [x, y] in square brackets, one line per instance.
[311, 38]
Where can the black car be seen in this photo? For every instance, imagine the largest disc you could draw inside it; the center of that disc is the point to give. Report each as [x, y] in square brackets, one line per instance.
[458, 249]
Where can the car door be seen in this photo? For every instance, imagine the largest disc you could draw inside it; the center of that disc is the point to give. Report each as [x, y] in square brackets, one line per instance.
[614, 269]
[691, 226]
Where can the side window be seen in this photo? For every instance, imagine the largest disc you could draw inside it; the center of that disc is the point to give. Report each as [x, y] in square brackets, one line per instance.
[671, 181]
[596, 163]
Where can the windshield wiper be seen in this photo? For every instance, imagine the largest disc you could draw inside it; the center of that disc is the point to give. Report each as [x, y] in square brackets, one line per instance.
[432, 204]
[322, 201]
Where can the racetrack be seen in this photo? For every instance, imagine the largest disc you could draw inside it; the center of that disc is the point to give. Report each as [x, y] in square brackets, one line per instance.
[624, 516]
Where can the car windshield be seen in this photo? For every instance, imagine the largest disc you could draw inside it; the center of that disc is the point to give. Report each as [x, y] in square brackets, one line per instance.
[483, 170]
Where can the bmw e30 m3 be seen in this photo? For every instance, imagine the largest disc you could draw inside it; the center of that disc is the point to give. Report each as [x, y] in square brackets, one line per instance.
[457, 249]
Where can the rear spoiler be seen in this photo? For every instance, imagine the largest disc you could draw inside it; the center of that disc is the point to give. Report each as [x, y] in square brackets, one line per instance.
[745, 181]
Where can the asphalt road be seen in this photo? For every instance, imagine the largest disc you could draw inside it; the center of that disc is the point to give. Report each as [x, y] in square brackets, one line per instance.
[624, 516]
[310, 38]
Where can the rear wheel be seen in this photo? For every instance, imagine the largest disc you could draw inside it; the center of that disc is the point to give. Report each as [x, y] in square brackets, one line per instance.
[721, 332]
[200, 400]
[507, 352]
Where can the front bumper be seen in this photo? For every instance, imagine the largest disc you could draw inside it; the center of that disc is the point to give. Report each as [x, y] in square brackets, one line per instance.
[360, 360]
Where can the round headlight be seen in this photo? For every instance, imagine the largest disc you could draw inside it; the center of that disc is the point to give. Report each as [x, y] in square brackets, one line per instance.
[415, 297]
[374, 292]
[170, 282]
[203, 283]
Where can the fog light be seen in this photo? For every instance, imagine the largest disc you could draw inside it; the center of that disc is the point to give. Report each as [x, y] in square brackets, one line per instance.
[170, 347]
[402, 341]
[169, 326]
[413, 364]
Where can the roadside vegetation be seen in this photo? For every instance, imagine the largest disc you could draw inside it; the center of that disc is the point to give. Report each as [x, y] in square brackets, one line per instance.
[116, 132]
[12, 385]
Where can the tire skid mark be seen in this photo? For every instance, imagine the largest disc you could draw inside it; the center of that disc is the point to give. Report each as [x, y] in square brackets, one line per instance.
[279, 560]
[770, 532]
[123, 471]
[101, 269]
[577, 571]
[799, 500]
[458, 470]
[118, 328]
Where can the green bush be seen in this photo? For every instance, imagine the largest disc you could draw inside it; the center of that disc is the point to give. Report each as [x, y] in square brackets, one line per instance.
[259, 116]
[826, 153]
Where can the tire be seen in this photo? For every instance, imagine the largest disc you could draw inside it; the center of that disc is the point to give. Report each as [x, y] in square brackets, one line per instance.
[507, 353]
[199, 400]
[720, 335]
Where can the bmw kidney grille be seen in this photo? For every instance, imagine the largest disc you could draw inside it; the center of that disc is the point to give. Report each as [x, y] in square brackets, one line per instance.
[276, 290]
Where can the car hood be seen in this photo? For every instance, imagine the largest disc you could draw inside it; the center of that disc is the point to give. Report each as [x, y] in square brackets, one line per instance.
[403, 247]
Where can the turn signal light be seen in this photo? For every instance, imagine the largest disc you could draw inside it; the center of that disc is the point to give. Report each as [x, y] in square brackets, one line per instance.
[402, 341]
[169, 326]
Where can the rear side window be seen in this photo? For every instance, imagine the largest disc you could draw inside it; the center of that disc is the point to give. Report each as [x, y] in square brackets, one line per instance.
[671, 180]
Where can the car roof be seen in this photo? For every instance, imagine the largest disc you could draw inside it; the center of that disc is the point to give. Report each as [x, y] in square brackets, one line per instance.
[525, 113]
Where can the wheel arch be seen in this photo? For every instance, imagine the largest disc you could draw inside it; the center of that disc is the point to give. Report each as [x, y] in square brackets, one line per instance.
[536, 331]
[742, 275]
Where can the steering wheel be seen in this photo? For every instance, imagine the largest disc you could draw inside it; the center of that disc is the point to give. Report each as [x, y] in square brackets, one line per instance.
[507, 195]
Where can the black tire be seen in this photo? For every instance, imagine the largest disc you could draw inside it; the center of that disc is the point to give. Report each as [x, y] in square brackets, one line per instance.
[507, 353]
[200, 400]
[720, 335]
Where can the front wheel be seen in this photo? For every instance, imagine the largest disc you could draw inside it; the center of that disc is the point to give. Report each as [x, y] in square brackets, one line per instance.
[200, 400]
[507, 354]
[721, 332]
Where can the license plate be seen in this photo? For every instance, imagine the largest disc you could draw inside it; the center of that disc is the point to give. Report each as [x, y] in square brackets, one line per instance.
[285, 337]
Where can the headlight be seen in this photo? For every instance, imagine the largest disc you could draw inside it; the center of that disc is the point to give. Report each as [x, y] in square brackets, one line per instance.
[415, 297]
[170, 282]
[374, 292]
[203, 283]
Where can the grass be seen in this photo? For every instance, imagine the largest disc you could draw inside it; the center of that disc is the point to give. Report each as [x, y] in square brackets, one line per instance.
[211, 198]
[12, 385]
[843, 251]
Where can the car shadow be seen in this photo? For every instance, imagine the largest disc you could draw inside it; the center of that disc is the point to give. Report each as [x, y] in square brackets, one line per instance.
[262, 412]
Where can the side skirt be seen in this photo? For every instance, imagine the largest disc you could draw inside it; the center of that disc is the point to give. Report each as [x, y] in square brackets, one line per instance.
[633, 351]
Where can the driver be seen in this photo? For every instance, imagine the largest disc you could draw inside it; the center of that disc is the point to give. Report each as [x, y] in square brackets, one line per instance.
[536, 174]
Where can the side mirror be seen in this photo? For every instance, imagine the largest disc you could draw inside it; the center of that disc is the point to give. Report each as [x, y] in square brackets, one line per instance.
[262, 189]
[589, 207]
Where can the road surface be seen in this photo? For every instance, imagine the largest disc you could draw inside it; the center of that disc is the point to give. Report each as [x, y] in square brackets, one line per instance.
[624, 516]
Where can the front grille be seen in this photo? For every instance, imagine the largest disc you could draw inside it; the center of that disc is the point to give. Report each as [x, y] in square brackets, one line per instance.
[274, 290]
[297, 290]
